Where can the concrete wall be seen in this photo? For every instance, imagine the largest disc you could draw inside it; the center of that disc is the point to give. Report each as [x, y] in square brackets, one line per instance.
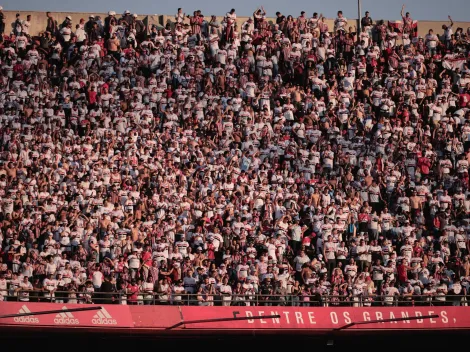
[39, 20]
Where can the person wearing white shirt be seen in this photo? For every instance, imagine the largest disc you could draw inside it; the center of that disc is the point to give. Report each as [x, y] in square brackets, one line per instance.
[226, 292]
[133, 262]
[390, 292]
[363, 253]
[66, 33]
[80, 34]
[300, 260]
[431, 41]
[329, 249]
[25, 286]
[448, 32]
[26, 24]
[180, 15]
[340, 22]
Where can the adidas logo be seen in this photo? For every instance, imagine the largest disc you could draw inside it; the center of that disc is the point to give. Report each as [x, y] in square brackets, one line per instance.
[66, 318]
[25, 319]
[103, 318]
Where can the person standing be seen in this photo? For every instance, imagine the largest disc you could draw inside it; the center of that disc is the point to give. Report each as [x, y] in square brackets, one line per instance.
[329, 254]
[2, 21]
[18, 25]
[51, 26]
[366, 22]
[26, 25]
[180, 15]
[407, 22]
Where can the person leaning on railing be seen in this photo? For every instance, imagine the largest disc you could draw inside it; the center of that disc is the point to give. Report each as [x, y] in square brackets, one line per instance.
[238, 297]
[36, 292]
[86, 295]
[390, 293]
[205, 295]
[178, 292]
[295, 293]
[266, 291]
[72, 294]
[106, 291]
[225, 292]
[163, 291]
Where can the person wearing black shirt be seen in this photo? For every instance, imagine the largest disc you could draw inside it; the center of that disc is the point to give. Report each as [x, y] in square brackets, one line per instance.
[44, 42]
[128, 18]
[366, 21]
[73, 54]
[94, 34]
[35, 295]
[140, 28]
[2, 21]
[266, 291]
[107, 22]
[280, 20]
[51, 26]
[301, 112]
[90, 24]
[18, 25]
[106, 289]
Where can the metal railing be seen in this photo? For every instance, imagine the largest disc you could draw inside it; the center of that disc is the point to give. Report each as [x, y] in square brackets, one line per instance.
[152, 298]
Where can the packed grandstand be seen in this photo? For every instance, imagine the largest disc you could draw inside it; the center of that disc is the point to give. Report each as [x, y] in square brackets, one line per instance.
[206, 163]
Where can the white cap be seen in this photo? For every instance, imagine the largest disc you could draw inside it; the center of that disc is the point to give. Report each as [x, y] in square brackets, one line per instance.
[1, 8]
[69, 17]
[127, 12]
[134, 15]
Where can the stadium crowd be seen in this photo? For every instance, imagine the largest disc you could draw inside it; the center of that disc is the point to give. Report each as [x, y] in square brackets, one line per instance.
[283, 161]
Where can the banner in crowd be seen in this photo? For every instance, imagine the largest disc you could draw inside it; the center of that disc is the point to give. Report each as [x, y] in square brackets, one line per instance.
[158, 318]
[397, 27]
[453, 63]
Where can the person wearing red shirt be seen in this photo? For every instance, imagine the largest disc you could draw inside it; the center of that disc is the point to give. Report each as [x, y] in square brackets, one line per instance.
[402, 272]
[464, 99]
[132, 291]
[424, 164]
[364, 219]
[92, 96]
[210, 250]
[379, 163]
[169, 92]
[146, 261]
[417, 250]
[104, 88]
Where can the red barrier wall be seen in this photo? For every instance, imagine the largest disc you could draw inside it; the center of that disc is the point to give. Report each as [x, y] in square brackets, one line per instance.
[329, 318]
[109, 316]
[157, 318]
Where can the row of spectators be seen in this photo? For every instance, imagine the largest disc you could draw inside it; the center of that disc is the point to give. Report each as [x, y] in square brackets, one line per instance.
[284, 160]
